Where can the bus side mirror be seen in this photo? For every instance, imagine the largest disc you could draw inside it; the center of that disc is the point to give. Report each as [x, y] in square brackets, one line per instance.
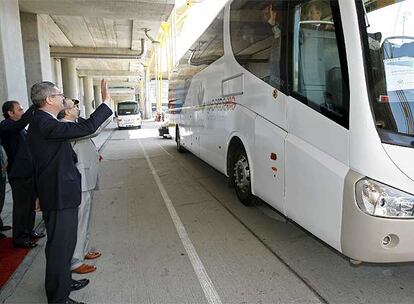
[116, 114]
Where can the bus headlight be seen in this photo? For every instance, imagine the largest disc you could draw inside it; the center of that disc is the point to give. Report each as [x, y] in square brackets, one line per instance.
[377, 199]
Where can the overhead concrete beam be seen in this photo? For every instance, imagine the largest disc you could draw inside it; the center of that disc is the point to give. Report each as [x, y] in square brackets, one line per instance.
[140, 10]
[126, 84]
[107, 73]
[125, 91]
[88, 52]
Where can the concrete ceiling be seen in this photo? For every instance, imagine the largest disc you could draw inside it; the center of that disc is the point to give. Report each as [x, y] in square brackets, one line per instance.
[101, 28]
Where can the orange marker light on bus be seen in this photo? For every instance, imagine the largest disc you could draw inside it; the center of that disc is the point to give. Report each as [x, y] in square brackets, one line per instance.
[273, 156]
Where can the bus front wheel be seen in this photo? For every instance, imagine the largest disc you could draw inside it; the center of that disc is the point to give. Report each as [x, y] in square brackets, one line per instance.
[241, 174]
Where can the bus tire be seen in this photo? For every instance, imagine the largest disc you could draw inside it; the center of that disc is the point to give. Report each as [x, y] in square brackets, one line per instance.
[180, 148]
[241, 177]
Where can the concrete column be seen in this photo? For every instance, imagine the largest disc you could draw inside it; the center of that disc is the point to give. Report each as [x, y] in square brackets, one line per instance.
[57, 72]
[70, 78]
[141, 90]
[113, 105]
[81, 97]
[36, 48]
[89, 94]
[97, 95]
[80, 86]
[147, 85]
[12, 72]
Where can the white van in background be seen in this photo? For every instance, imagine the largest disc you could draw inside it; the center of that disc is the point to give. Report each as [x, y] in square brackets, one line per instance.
[128, 115]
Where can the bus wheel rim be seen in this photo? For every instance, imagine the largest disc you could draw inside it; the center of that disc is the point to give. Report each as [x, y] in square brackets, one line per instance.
[242, 173]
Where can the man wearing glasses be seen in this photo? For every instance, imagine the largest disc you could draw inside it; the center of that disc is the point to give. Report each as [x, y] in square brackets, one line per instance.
[58, 182]
[88, 164]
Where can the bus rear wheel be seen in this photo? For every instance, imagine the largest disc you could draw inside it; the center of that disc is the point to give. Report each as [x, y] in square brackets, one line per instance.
[241, 174]
[180, 148]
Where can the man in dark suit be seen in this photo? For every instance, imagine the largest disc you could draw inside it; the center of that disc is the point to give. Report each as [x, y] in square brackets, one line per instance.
[20, 171]
[58, 181]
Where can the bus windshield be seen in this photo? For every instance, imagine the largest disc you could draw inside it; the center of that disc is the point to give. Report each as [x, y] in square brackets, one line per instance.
[128, 108]
[389, 29]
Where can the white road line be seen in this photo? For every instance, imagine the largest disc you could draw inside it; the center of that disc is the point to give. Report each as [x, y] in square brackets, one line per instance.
[169, 154]
[205, 281]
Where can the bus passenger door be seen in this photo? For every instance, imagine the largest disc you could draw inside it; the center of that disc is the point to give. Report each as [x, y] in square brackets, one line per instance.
[317, 147]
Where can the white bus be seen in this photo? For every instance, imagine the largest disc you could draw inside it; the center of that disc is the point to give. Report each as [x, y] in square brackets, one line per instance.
[128, 114]
[309, 106]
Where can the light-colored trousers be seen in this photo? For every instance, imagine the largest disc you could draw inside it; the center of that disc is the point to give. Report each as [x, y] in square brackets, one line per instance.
[84, 225]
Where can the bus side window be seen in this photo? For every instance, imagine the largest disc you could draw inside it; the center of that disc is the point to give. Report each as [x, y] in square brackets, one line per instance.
[317, 72]
[256, 31]
[208, 48]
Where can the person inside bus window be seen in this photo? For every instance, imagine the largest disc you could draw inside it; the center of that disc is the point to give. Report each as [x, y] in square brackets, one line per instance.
[315, 12]
[271, 16]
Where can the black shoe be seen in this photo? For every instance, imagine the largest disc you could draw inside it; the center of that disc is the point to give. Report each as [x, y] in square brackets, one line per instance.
[37, 235]
[76, 285]
[25, 244]
[71, 301]
[5, 228]
[2, 236]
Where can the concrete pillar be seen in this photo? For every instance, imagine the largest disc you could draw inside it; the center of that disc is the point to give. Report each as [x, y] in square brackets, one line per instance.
[80, 87]
[89, 95]
[57, 72]
[113, 105]
[81, 97]
[97, 95]
[12, 72]
[147, 85]
[141, 90]
[36, 49]
[70, 78]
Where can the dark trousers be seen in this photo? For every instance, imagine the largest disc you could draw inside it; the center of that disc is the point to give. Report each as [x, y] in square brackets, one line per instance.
[61, 229]
[2, 195]
[23, 193]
